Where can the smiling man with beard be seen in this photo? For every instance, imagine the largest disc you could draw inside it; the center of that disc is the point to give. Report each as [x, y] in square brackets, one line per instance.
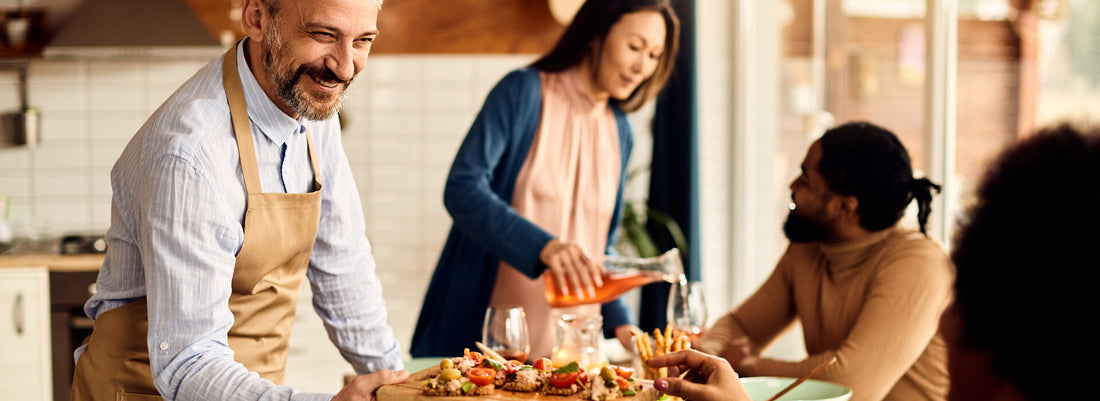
[864, 289]
[234, 192]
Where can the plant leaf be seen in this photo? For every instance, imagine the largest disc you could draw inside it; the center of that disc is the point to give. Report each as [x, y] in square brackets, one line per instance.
[570, 368]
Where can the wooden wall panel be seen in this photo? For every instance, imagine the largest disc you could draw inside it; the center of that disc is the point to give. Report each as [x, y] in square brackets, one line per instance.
[466, 26]
[215, 14]
[435, 26]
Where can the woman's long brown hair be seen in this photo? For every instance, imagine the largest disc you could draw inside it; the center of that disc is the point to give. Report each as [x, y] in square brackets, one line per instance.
[592, 23]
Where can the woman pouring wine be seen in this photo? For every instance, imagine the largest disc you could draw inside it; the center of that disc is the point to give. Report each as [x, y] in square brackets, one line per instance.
[535, 190]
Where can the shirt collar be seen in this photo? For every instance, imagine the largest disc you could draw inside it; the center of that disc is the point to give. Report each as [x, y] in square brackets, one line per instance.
[262, 112]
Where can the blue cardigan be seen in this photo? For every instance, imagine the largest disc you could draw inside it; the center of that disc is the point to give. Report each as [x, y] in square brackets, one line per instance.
[486, 230]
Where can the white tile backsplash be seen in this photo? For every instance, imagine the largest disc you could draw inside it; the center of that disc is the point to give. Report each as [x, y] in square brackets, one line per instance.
[65, 129]
[395, 98]
[397, 70]
[56, 97]
[15, 183]
[104, 73]
[9, 96]
[61, 156]
[65, 72]
[115, 126]
[58, 215]
[116, 97]
[448, 70]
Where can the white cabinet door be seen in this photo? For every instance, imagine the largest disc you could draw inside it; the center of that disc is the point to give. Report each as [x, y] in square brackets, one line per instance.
[25, 334]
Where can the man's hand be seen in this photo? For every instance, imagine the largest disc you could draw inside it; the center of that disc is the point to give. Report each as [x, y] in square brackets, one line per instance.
[625, 334]
[741, 352]
[709, 379]
[574, 272]
[362, 387]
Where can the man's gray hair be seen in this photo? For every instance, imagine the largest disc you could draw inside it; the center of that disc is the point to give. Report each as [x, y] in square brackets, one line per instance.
[273, 6]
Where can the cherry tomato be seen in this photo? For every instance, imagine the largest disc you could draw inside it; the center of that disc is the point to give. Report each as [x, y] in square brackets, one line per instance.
[512, 366]
[623, 384]
[623, 372]
[563, 380]
[544, 365]
[475, 356]
[481, 376]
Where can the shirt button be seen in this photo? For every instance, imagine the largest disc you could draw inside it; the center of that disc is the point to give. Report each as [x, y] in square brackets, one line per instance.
[163, 346]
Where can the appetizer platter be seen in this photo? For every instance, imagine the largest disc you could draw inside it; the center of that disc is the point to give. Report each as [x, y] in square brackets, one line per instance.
[474, 376]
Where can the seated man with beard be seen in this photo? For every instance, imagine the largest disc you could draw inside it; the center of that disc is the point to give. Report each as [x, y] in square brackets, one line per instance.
[865, 290]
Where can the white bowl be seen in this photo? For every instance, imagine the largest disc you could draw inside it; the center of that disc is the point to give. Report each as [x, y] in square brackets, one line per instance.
[763, 387]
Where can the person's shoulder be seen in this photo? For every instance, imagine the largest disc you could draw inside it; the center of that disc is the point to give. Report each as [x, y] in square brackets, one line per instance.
[198, 101]
[914, 251]
[518, 92]
[523, 77]
[192, 118]
[907, 239]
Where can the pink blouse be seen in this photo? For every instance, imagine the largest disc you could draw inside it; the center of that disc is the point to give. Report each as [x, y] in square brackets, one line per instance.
[567, 186]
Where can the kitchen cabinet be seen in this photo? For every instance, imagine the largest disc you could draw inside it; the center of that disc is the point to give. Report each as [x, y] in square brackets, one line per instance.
[25, 368]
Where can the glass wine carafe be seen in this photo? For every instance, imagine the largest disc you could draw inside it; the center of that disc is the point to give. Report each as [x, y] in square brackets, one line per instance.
[623, 274]
[578, 340]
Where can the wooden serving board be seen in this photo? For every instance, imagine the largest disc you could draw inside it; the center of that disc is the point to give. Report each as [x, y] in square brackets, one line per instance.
[410, 391]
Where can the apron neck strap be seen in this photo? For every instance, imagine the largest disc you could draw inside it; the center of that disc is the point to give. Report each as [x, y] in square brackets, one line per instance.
[231, 79]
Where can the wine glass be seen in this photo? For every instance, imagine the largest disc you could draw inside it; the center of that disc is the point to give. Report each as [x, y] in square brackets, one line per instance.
[505, 331]
[687, 308]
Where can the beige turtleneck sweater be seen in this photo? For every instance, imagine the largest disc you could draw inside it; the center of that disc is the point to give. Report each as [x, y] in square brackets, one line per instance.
[874, 303]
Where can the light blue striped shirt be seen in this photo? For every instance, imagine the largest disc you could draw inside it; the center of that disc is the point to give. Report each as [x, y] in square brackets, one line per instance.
[176, 227]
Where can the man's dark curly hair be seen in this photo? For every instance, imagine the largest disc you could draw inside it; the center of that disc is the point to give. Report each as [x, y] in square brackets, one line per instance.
[869, 162]
[1020, 254]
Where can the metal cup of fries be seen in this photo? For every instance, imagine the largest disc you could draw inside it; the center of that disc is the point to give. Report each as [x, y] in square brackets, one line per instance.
[671, 340]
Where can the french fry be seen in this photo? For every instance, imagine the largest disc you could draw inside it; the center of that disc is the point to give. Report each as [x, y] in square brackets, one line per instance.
[640, 343]
[668, 337]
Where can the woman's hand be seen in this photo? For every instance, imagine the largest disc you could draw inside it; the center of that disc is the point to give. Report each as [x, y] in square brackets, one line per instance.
[710, 378]
[572, 268]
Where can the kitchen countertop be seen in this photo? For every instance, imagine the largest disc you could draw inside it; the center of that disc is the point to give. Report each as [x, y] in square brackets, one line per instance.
[55, 263]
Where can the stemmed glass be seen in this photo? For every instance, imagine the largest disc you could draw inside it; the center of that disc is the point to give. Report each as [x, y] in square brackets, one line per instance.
[505, 331]
[687, 308]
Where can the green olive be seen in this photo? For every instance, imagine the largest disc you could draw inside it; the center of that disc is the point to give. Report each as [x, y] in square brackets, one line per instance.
[608, 374]
[446, 364]
[449, 374]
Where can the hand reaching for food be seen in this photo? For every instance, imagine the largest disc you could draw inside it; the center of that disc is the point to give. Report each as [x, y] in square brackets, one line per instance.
[704, 377]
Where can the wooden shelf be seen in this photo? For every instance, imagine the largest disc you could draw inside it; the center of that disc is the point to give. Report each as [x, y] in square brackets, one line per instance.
[27, 51]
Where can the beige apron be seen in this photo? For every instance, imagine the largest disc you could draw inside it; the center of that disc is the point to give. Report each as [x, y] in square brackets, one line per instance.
[279, 232]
